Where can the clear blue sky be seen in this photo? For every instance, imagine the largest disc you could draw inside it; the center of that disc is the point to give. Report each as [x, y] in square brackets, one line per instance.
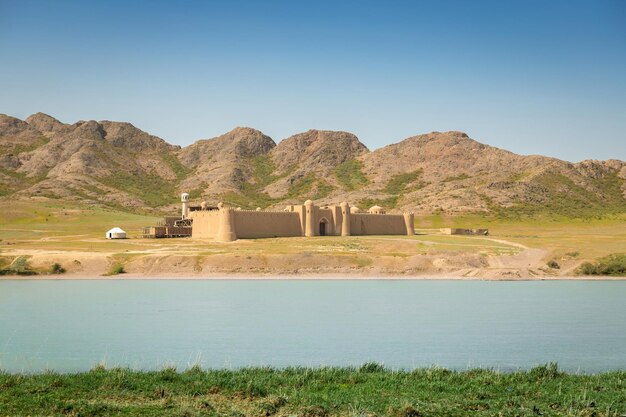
[545, 77]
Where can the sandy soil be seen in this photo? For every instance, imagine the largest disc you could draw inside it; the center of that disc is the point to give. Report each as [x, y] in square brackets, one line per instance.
[347, 276]
[526, 264]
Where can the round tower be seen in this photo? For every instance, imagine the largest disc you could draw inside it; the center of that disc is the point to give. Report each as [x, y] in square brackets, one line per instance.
[345, 219]
[409, 221]
[184, 198]
[309, 229]
[226, 228]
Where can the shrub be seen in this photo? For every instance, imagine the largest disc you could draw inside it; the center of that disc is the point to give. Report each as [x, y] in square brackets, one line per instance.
[323, 189]
[587, 269]
[350, 176]
[612, 265]
[19, 266]
[553, 264]
[117, 269]
[262, 171]
[57, 269]
[179, 169]
[398, 183]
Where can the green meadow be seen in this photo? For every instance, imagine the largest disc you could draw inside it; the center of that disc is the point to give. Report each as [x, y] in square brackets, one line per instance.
[589, 237]
[370, 390]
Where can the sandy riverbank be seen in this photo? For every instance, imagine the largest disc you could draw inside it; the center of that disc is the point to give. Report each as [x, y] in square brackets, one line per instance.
[526, 264]
[427, 255]
[127, 277]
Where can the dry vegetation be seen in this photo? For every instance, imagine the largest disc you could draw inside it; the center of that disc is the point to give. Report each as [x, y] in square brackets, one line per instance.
[49, 233]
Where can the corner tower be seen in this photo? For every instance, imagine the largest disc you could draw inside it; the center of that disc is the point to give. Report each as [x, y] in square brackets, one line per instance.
[309, 219]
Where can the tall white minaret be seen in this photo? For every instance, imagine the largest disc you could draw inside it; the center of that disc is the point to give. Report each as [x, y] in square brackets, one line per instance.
[184, 198]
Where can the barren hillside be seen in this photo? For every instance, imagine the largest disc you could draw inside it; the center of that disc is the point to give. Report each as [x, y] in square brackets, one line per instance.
[222, 164]
[115, 164]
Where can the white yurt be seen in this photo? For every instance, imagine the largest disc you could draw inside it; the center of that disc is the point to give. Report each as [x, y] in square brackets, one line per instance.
[116, 233]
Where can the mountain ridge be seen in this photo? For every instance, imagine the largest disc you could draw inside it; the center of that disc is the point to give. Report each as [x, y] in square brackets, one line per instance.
[116, 164]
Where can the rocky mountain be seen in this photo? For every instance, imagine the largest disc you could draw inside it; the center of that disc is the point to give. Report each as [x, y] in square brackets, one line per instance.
[222, 164]
[452, 173]
[109, 162]
[311, 156]
[115, 164]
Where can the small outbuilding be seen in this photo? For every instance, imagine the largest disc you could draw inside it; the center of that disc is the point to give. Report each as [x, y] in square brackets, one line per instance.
[116, 233]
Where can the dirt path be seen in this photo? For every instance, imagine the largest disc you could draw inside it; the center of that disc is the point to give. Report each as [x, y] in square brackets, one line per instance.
[527, 263]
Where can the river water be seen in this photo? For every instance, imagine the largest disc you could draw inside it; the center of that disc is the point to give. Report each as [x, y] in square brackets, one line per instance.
[71, 325]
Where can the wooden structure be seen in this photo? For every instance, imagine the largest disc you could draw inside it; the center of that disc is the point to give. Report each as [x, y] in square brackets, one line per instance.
[170, 227]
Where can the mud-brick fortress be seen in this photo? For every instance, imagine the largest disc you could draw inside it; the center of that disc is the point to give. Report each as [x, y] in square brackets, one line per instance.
[227, 224]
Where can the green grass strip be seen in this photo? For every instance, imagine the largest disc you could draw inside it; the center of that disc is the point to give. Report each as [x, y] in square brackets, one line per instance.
[370, 390]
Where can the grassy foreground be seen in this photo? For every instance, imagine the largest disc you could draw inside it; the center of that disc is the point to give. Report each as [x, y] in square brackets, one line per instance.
[367, 391]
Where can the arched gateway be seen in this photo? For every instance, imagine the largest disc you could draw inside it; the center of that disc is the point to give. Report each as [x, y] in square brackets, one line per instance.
[323, 227]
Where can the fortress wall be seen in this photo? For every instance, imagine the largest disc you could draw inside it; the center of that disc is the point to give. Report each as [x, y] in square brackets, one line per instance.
[205, 223]
[257, 224]
[227, 224]
[301, 211]
[377, 224]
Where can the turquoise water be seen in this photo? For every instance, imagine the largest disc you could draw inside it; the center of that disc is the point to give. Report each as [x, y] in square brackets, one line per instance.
[73, 325]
